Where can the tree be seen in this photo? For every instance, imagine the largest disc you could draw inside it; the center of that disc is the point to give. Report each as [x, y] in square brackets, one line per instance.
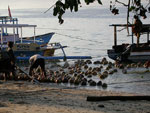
[61, 6]
[134, 6]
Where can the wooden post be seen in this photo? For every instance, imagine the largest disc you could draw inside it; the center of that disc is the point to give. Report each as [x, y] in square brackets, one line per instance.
[14, 35]
[21, 34]
[34, 34]
[17, 24]
[1, 36]
[148, 37]
[6, 27]
[132, 38]
[115, 35]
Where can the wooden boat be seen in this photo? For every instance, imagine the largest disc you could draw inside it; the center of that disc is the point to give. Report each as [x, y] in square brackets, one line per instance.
[26, 46]
[15, 36]
[130, 51]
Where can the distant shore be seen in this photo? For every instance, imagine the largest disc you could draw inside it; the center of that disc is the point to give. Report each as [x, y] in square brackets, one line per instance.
[25, 97]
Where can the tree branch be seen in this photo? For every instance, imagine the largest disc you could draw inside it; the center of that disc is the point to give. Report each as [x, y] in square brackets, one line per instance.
[147, 4]
[128, 15]
[121, 3]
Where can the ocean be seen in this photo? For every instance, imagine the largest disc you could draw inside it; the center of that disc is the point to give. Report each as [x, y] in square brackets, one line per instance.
[87, 33]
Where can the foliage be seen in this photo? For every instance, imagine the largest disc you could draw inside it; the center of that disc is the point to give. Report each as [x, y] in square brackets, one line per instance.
[61, 6]
[134, 6]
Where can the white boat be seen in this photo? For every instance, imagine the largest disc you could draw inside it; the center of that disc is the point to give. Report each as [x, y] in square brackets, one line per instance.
[7, 22]
[25, 46]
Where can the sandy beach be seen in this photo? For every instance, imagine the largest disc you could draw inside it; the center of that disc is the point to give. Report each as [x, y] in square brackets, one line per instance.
[26, 97]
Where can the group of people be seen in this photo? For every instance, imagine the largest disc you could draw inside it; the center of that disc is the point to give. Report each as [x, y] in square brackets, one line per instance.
[35, 61]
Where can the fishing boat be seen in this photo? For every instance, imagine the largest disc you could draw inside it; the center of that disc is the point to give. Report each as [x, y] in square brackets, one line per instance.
[130, 51]
[25, 46]
[7, 22]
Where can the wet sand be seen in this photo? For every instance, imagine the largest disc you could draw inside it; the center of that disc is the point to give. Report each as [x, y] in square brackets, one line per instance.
[25, 97]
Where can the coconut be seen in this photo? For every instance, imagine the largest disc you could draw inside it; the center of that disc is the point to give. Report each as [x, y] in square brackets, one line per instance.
[94, 73]
[99, 83]
[92, 83]
[83, 83]
[104, 85]
[89, 76]
[86, 67]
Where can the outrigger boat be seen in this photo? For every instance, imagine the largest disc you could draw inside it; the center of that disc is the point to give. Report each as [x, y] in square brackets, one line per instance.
[25, 46]
[39, 39]
[130, 51]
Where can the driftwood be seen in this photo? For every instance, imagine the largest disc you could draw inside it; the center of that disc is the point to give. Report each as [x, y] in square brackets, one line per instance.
[122, 98]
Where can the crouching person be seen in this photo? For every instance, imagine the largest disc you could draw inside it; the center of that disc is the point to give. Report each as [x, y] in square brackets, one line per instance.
[35, 61]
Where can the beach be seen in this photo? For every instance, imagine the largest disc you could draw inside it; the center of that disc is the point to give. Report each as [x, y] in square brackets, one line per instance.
[87, 32]
[26, 97]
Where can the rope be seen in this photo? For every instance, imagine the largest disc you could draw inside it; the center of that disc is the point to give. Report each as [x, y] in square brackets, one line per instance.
[50, 7]
[77, 38]
[70, 35]
[59, 29]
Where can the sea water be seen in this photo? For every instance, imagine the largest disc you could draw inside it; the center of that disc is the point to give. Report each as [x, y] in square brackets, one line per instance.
[87, 33]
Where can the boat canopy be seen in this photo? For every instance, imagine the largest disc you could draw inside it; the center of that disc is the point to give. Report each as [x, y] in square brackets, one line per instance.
[145, 29]
[16, 25]
[129, 25]
[4, 17]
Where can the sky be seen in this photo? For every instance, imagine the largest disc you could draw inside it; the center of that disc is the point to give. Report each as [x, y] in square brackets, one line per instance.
[23, 4]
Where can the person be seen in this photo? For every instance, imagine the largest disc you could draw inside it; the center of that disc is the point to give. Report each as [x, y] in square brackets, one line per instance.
[35, 61]
[11, 56]
[137, 28]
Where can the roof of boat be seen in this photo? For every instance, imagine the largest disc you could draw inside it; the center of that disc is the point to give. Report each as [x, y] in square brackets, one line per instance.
[16, 25]
[129, 25]
[4, 17]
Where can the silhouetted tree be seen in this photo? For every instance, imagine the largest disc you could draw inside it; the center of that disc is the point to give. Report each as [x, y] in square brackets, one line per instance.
[134, 6]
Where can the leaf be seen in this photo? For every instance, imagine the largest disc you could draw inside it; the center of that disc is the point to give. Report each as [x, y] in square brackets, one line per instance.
[55, 11]
[132, 8]
[99, 1]
[87, 2]
[79, 2]
[71, 5]
[76, 8]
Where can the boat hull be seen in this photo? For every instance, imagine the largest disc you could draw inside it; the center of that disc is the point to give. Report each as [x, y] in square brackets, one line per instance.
[135, 54]
[29, 49]
[39, 39]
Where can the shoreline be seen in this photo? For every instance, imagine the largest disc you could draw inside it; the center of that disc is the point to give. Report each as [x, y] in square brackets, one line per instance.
[25, 97]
